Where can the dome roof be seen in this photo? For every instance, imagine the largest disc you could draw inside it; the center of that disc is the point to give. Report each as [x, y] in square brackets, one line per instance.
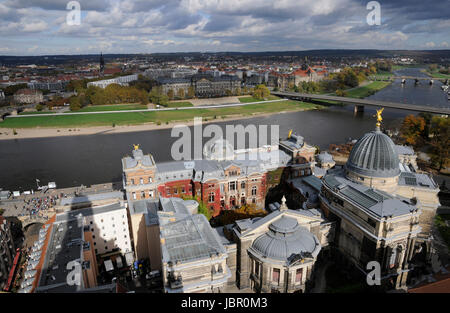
[219, 150]
[374, 155]
[284, 239]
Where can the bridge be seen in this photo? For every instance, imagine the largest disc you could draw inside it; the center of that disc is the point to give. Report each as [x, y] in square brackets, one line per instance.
[360, 103]
[392, 77]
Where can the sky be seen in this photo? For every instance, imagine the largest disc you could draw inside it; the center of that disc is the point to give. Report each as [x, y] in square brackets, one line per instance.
[40, 27]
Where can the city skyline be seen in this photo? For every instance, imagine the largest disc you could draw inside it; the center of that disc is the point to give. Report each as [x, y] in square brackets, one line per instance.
[115, 26]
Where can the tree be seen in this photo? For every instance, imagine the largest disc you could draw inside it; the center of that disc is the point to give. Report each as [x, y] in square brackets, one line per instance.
[260, 92]
[170, 94]
[75, 104]
[440, 142]
[180, 93]
[412, 129]
[191, 92]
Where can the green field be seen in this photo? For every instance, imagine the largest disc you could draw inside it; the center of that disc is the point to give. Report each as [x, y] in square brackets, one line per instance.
[115, 107]
[181, 104]
[436, 74]
[365, 91]
[133, 118]
[251, 99]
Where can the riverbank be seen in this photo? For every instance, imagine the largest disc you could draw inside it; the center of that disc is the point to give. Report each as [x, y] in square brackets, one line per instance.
[367, 90]
[208, 115]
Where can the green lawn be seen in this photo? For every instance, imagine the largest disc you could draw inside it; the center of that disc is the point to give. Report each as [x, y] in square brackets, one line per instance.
[436, 74]
[114, 107]
[365, 91]
[251, 99]
[130, 118]
[181, 104]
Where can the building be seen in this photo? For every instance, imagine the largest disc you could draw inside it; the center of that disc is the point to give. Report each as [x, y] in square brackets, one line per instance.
[65, 257]
[121, 80]
[220, 182]
[192, 255]
[305, 73]
[302, 155]
[277, 253]
[28, 96]
[7, 251]
[204, 85]
[378, 209]
[2, 95]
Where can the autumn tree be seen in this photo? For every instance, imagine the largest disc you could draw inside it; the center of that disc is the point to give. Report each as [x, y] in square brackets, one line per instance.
[191, 92]
[440, 141]
[260, 92]
[170, 94]
[412, 129]
[180, 93]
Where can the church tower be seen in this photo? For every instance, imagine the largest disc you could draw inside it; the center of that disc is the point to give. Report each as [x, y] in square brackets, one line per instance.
[102, 65]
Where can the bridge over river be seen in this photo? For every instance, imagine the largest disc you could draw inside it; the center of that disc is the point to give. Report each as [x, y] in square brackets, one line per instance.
[360, 103]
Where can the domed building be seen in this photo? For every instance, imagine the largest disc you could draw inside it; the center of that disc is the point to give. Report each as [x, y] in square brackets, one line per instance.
[374, 161]
[219, 150]
[383, 209]
[277, 253]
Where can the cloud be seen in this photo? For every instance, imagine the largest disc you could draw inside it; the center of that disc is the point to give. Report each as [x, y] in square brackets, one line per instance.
[247, 25]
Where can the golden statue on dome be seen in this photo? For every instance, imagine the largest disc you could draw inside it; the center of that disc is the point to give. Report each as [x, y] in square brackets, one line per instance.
[136, 147]
[379, 117]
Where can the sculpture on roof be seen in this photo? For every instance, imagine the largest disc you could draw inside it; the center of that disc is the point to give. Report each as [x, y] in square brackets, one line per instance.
[136, 147]
[379, 117]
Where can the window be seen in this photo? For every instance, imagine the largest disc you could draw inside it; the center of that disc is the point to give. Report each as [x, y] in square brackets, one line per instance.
[256, 269]
[143, 195]
[150, 180]
[141, 181]
[298, 275]
[211, 197]
[106, 248]
[243, 185]
[134, 196]
[175, 191]
[254, 191]
[150, 193]
[276, 276]
[132, 181]
[232, 185]
[91, 222]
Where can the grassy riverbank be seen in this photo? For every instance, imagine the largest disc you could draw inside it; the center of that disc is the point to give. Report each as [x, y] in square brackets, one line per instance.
[367, 90]
[158, 117]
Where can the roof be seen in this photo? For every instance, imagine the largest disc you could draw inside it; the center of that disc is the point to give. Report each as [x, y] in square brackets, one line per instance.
[189, 239]
[441, 284]
[286, 239]
[138, 157]
[377, 202]
[405, 150]
[92, 197]
[374, 155]
[417, 180]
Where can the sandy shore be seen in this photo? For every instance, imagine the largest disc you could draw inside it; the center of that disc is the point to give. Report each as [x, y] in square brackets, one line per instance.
[38, 132]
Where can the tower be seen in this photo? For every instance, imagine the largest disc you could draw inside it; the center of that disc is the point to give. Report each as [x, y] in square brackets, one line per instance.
[102, 65]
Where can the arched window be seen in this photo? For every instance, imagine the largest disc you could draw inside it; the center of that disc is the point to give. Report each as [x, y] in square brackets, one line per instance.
[254, 191]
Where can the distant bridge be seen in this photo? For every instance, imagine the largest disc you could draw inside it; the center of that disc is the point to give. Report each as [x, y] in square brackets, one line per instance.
[360, 103]
[392, 77]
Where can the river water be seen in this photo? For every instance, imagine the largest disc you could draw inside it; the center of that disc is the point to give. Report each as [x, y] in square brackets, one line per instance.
[93, 159]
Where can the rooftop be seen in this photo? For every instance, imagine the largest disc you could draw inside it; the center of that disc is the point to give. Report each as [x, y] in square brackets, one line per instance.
[376, 202]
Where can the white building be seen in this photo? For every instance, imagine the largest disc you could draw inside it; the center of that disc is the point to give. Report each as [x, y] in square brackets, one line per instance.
[122, 80]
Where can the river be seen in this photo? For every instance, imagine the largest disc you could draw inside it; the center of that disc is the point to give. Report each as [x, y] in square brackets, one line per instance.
[93, 159]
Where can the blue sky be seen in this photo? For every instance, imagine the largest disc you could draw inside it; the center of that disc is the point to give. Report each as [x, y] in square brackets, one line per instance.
[36, 27]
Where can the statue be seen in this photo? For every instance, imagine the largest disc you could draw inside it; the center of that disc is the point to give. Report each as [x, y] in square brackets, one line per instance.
[379, 117]
[290, 134]
[136, 147]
